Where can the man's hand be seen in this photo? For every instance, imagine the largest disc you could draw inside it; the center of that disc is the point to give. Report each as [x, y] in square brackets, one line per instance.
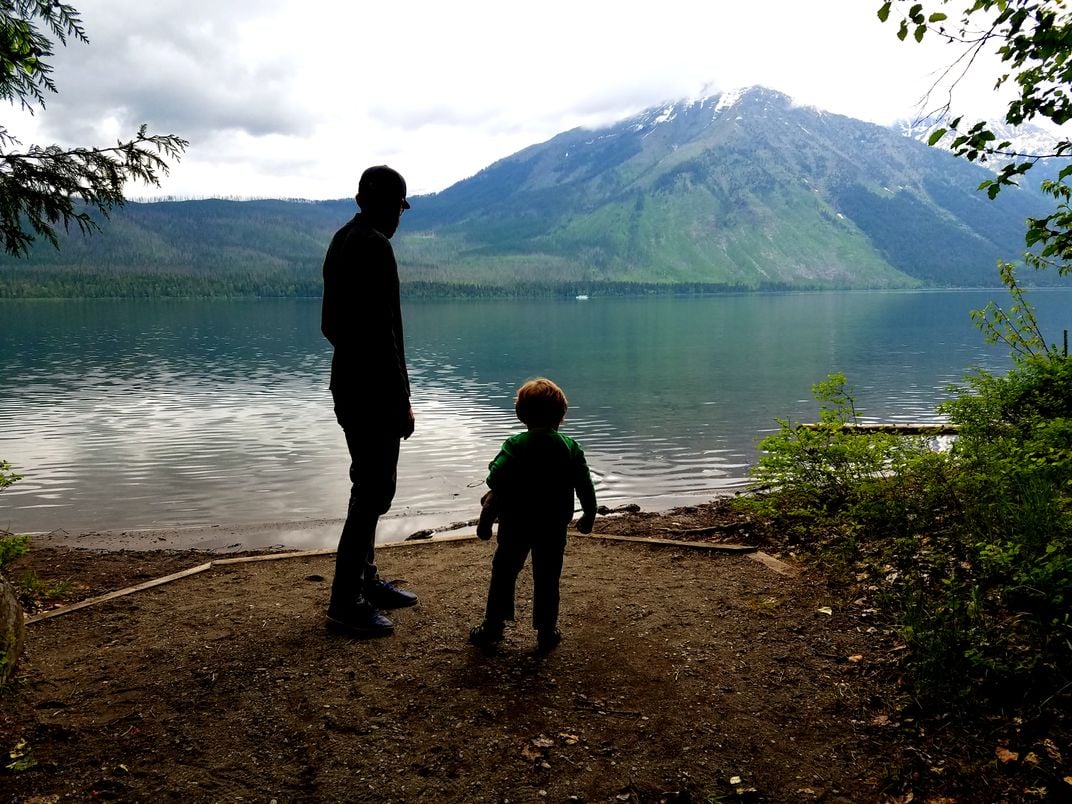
[585, 523]
[407, 423]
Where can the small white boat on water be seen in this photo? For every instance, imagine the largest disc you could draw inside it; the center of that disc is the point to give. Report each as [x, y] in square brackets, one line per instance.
[582, 298]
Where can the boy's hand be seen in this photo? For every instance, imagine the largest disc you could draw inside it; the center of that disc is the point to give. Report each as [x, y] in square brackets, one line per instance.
[585, 523]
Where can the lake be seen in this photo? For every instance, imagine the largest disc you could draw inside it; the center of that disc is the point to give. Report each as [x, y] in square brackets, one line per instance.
[148, 414]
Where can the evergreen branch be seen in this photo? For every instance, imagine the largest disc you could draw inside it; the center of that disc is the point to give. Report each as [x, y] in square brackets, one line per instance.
[25, 76]
[45, 187]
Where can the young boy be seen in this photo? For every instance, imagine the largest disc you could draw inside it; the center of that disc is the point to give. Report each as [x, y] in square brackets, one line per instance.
[532, 482]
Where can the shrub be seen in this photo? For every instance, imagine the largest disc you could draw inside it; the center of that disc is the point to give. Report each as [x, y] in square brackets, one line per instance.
[968, 552]
[823, 469]
[7, 477]
[11, 547]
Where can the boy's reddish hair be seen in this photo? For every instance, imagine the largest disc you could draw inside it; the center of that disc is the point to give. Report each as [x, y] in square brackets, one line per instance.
[541, 403]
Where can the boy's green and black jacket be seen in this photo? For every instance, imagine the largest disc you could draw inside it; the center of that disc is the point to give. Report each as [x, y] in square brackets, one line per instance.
[534, 477]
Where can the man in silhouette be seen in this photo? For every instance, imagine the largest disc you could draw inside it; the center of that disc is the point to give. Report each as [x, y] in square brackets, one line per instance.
[362, 319]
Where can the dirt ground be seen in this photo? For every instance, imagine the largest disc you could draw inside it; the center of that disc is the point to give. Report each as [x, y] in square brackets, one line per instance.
[686, 674]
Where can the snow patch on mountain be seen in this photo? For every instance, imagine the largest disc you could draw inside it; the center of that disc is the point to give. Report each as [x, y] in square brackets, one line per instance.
[666, 115]
[1025, 140]
[728, 99]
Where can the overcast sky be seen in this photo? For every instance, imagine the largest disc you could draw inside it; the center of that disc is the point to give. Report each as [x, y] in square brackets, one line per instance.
[292, 98]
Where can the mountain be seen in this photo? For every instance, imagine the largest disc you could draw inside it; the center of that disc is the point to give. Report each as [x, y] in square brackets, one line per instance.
[743, 188]
[739, 190]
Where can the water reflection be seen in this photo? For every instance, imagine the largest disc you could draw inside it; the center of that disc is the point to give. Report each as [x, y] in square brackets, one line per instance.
[145, 414]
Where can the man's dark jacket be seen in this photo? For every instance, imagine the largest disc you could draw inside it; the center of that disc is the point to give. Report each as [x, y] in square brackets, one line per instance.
[362, 319]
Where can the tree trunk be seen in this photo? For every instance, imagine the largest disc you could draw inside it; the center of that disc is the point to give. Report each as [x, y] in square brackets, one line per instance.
[12, 631]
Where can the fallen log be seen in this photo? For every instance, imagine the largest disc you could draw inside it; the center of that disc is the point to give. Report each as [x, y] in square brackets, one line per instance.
[896, 429]
[727, 527]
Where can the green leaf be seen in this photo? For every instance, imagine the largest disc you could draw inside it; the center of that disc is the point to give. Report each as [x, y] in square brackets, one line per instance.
[21, 764]
[920, 30]
[936, 135]
[902, 32]
[884, 11]
[937, 16]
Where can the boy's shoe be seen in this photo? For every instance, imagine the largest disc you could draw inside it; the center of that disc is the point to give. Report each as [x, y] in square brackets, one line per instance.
[486, 634]
[385, 595]
[360, 621]
[547, 641]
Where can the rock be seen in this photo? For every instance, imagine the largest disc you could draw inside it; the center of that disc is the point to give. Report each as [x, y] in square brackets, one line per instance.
[12, 631]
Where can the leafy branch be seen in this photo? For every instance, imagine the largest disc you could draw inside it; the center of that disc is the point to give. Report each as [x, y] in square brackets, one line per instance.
[1034, 43]
[1017, 328]
[1035, 37]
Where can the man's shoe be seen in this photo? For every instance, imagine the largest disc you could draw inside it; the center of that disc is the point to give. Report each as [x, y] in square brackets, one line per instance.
[360, 621]
[385, 595]
[547, 641]
[486, 635]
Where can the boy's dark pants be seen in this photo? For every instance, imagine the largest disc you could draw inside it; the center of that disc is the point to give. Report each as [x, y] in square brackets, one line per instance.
[548, 548]
[373, 473]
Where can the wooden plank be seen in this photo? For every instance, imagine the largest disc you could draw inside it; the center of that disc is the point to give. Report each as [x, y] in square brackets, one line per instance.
[36, 618]
[47, 615]
[773, 563]
[464, 537]
[718, 548]
[220, 562]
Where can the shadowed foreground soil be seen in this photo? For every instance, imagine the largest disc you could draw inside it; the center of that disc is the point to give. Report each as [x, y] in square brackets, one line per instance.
[685, 675]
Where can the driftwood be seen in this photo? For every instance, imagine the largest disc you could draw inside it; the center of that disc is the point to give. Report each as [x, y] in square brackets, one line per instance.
[714, 547]
[628, 508]
[726, 527]
[428, 532]
[896, 429]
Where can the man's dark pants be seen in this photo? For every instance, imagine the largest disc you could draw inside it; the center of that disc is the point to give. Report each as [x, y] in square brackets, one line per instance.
[514, 546]
[373, 475]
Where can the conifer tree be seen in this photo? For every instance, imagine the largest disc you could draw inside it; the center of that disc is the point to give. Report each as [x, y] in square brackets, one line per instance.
[45, 186]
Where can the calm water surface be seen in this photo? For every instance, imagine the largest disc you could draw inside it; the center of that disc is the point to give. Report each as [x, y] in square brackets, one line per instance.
[129, 415]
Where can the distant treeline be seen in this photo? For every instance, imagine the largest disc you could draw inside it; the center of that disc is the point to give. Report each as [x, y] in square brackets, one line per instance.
[16, 284]
[569, 290]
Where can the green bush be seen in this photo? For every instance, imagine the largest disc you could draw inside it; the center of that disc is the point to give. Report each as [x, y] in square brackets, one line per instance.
[822, 468]
[7, 477]
[11, 547]
[969, 551]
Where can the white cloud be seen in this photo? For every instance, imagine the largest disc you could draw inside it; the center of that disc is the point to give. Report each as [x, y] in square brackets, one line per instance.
[287, 98]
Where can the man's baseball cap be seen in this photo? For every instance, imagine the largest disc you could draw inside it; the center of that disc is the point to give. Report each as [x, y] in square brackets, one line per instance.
[382, 182]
